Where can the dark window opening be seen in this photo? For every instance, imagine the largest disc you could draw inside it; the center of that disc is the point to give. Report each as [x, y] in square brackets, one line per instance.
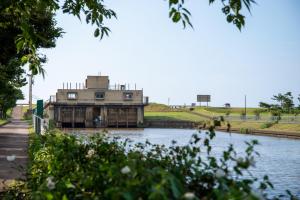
[66, 125]
[99, 95]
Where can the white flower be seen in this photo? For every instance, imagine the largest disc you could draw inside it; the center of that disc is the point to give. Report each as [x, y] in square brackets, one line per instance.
[90, 153]
[125, 170]
[11, 158]
[189, 195]
[50, 183]
[78, 142]
[220, 173]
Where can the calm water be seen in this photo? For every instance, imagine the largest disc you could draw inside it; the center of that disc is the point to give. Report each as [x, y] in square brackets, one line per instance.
[279, 157]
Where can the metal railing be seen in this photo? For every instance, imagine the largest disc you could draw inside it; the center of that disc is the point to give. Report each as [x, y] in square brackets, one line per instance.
[254, 118]
[40, 125]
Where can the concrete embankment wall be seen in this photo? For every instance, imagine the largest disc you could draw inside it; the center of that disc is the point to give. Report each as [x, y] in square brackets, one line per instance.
[171, 124]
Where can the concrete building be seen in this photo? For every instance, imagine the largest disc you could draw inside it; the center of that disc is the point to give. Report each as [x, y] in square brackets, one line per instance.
[97, 104]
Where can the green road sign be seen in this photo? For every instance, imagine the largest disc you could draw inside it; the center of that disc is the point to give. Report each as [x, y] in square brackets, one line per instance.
[39, 108]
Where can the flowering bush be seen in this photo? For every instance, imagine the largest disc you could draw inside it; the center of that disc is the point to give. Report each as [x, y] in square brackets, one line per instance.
[67, 167]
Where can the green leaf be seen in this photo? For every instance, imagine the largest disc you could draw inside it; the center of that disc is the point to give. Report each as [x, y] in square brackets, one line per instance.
[230, 18]
[97, 32]
[176, 17]
[65, 197]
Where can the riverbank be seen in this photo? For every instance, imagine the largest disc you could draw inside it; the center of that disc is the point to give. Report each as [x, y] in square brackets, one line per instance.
[235, 129]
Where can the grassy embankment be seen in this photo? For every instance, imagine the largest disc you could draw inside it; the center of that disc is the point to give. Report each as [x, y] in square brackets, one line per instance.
[252, 125]
[163, 112]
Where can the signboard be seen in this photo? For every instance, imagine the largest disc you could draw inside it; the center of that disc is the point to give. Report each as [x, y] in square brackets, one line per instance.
[39, 108]
[203, 98]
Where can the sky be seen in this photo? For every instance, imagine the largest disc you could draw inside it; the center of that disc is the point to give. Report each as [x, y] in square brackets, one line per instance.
[145, 48]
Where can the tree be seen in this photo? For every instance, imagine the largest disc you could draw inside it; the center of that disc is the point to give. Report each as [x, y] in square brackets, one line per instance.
[95, 13]
[299, 102]
[13, 56]
[286, 103]
[11, 79]
[28, 25]
[265, 105]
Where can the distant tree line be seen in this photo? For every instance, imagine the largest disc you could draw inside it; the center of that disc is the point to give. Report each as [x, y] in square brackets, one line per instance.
[285, 104]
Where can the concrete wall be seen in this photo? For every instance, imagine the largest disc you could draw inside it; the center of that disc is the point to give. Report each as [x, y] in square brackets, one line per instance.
[111, 97]
[100, 82]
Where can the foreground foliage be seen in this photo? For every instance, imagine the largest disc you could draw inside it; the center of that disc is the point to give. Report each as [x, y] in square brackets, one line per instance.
[99, 167]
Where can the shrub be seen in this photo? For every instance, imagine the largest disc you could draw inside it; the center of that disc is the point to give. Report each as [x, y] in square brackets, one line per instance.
[266, 125]
[257, 113]
[222, 119]
[246, 130]
[276, 113]
[98, 167]
[217, 122]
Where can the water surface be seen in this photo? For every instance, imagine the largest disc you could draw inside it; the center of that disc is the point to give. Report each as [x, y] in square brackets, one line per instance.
[279, 157]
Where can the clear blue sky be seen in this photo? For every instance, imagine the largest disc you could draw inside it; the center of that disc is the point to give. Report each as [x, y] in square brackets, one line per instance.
[146, 48]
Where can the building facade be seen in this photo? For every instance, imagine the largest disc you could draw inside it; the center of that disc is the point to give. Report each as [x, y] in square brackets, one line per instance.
[97, 104]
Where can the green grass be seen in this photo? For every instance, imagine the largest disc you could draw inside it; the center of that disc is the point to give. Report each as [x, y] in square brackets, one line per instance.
[163, 112]
[24, 109]
[3, 121]
[184, 116]
[155, 107]
[9, 112]
[259, 125]
[217, 111]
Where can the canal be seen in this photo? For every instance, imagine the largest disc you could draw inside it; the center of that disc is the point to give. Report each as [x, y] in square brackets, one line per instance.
[279, 157]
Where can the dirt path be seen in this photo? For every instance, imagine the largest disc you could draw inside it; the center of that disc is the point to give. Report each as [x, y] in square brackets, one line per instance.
[13, 141]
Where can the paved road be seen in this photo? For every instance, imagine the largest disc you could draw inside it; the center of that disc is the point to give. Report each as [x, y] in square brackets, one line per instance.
[13, 141]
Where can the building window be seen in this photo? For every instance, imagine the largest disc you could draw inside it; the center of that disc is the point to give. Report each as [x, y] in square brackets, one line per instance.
[99, 95]
[128, 95]
[72, 95]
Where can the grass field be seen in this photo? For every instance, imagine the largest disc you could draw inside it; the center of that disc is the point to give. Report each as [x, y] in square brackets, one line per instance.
[173, 116]
[259, 126]
[217, 111]
[163, 112]
[155, 107]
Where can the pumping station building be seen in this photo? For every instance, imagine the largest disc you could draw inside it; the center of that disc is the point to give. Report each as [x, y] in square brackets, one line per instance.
[97, 104]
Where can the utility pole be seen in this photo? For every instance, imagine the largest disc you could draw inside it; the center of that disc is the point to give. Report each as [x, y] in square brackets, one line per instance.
[30, 92]
[245, 105]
